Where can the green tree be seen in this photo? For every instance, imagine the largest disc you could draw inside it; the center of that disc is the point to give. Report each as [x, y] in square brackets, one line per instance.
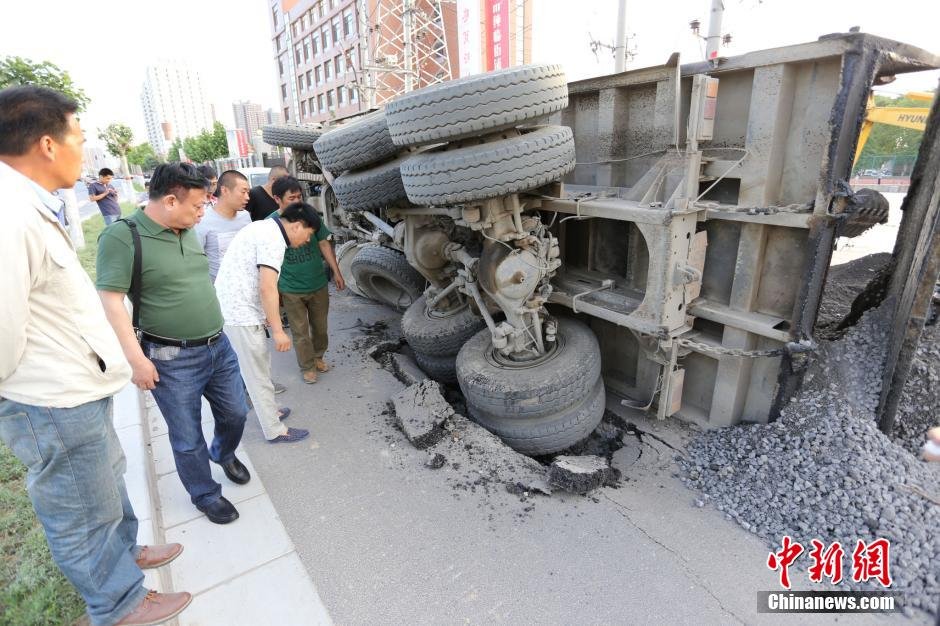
[886, 141]
[118, 139]
[144, 156]
[16, 70]
[174, 153]
[207, 145]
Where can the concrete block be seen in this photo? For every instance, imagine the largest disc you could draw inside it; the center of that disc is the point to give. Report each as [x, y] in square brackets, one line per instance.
[579, 474]
[420, 412]
[406, 370]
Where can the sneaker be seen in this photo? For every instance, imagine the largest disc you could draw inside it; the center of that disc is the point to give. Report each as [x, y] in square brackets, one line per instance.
[283, 413]
[322, 366]
[278, 387]
[292, 435]
[310, 377]
[157, 608]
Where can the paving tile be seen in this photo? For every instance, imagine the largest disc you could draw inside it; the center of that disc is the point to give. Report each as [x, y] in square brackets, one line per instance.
[247, 599]
[162, 455]
[127, 407]
[135, 476]
[215, 553]
[157, 424]
[176, 506]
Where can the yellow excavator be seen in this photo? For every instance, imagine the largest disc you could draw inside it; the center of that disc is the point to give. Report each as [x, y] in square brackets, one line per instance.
[905, 117]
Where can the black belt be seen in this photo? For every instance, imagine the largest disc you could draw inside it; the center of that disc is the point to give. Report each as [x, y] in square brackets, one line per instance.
[181, 343]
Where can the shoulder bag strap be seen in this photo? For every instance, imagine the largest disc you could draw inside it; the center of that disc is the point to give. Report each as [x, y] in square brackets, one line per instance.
[134, 290]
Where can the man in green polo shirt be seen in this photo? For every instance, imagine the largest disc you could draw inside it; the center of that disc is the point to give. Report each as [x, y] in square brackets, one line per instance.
[178, 350]
[304, 289]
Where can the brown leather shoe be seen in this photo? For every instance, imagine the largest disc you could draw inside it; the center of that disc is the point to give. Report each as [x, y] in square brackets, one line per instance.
[157, 608]
[310, 377]
[158, 556]
[322, 366]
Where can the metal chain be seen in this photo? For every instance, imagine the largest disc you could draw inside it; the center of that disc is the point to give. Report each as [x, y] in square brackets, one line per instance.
[802, 346]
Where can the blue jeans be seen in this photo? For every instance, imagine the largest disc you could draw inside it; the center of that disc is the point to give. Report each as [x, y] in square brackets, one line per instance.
[110, 219]
[186, 375]
[76, 483]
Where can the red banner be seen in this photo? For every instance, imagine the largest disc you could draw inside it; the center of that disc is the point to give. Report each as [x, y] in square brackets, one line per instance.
[496, 16]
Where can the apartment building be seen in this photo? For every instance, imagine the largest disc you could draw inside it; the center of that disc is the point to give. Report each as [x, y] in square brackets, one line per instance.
[328, 70]
[174, 104]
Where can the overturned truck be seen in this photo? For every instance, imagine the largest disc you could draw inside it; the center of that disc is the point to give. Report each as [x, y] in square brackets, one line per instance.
[662, 234]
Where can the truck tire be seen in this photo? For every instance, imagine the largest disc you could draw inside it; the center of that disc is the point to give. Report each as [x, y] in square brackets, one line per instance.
[291, 136]
[546, 435]
[443, 369]
[384, 275]
[345, 254]
[489, 170]
[356, 145]
[373, 188]
[495, 389]
[438, 334]
[476, 105]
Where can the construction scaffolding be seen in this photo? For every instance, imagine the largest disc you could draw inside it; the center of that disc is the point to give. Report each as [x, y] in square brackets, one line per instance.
[404, 48]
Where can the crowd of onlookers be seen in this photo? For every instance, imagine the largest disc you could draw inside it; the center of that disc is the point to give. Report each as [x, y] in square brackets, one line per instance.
[207, 263]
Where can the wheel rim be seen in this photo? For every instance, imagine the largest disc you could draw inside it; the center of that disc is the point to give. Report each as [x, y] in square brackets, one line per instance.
[390, 291]
[498, 360]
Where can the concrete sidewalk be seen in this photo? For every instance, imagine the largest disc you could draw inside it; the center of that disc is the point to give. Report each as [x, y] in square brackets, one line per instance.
[246, 572]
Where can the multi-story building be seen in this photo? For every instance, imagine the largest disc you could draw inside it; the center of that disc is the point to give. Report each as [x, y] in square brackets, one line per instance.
[337, 58]
[249, 116]
[174, 103]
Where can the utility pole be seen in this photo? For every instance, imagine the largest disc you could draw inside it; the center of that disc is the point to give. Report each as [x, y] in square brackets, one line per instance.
[713, 41]
[620, 46]
[407, 17]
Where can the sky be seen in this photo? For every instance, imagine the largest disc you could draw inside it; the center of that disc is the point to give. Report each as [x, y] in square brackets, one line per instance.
[106, 45]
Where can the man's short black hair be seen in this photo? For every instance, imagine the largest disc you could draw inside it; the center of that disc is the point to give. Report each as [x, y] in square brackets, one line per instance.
[229, 177]
[284, 185]
[105, 171]
[174, 178]
[208, 171]
[301, 212]
[29, 112]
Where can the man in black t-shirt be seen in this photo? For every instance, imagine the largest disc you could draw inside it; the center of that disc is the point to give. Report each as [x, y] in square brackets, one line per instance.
[261, 202]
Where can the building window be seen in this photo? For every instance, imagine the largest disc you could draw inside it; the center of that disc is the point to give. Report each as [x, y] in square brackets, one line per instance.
[297, 53]
[274, 17]
[284, 90]
[340, 62]
[312, 106]
[325, 37]
[329, 100]
[341, 95]
[279, 43]
[303, 108]
[315, 43]
[280, 65]
[286, 114]
[317, 9]
[349, 28]
[337, 28]
[306, 49]
[300, 83]
[309, 79]
[319, 74]
[320, 103]
[328, 71]
[353, 94]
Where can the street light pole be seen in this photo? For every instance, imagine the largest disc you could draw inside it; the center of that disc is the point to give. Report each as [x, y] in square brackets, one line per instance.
[620, 46]
[714, 31]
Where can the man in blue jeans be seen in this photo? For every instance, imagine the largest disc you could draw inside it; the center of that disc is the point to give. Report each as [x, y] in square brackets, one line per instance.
[105, 195]
[60, 363]
[178, 352]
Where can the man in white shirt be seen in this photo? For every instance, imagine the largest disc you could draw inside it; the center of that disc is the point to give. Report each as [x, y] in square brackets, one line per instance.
[60, 363]
[247, 290]
[222, 221]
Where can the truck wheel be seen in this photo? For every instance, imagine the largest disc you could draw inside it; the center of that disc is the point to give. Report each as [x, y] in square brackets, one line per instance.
[553, 433]
[345, 254]
[372, 188]
[291, 136]
[497, 388]
[489, 170]
[384, 275]
[356, 145]
[475, 105]
[443, 369]
[438, 334]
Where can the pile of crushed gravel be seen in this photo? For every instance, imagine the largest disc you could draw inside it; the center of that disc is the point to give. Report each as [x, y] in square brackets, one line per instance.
[919, 406]
[823, 470]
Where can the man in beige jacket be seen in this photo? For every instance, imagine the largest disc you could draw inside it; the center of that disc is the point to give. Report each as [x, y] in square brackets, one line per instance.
[60, 363]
